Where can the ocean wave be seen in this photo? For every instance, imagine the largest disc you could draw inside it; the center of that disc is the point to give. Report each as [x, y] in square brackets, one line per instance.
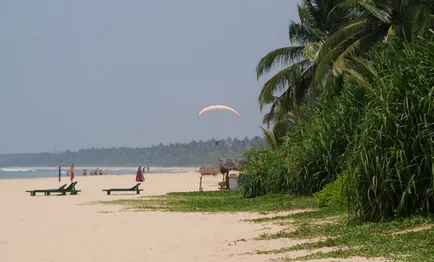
[16, 170]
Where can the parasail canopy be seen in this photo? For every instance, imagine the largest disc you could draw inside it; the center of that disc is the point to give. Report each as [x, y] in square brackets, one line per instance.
[218, 107]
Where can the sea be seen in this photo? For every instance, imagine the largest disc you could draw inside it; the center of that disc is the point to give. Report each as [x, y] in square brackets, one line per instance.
[39, 172]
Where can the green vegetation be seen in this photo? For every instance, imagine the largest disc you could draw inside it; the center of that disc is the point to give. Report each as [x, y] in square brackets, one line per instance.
[359, 87]
[314, 151]
[390, 166]
[214, 201]
[334, 194]
[379, 135]
[409, 239]
[295, 79]
[194, 153]
[358, 82]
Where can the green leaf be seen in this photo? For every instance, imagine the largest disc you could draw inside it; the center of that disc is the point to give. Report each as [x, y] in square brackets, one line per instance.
[279, 57]
[281, 81]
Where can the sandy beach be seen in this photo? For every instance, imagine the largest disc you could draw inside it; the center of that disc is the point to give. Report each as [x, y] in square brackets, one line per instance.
[67, 228]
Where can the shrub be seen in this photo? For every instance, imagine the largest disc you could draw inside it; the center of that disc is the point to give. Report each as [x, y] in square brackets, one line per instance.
[391, 165]
[266, 173]
[319, 145]
[314, 150]
[334, 194]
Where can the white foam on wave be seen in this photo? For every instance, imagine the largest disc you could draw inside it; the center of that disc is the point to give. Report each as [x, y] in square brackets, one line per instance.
[16, 170]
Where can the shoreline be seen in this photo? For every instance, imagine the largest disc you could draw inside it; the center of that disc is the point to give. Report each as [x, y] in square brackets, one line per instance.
[89, 167]
[50, 172]
[64, 177]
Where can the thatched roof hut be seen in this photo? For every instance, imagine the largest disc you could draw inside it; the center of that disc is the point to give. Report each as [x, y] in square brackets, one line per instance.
[209, 170]
[231, 164]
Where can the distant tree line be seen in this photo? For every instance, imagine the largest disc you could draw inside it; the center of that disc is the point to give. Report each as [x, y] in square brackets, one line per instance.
[194, 153]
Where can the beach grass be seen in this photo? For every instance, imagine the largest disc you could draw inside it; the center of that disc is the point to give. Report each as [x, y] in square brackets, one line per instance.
[215, 201]
[407, 239]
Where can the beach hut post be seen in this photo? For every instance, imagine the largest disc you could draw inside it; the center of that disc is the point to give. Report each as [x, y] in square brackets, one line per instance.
[200, 184]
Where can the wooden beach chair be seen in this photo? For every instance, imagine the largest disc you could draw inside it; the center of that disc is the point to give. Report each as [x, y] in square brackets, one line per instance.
[47, 191]
[71, 189]
[134, 188]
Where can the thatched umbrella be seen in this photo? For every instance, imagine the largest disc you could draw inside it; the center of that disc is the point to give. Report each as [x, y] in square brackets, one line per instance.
[231, 164]
[209, 170]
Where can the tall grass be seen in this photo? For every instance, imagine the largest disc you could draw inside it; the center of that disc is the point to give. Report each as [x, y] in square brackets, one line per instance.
[378, 130]
[391, 164]
[314, 150]
[266, 173]
[329, 125]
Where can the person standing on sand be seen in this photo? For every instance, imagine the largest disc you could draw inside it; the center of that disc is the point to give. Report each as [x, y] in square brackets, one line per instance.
[71, 171]
[139, 175]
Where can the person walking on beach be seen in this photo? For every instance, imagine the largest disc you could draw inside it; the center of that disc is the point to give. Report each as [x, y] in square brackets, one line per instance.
[139, 175]
[71, 171]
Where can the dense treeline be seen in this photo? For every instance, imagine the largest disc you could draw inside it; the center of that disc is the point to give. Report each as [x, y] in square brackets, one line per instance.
[356, 114]
[179, 154]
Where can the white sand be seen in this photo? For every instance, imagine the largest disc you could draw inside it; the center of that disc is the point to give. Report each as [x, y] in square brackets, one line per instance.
[66, 229]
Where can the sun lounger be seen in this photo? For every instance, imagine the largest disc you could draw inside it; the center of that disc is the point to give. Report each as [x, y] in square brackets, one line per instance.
[134, 188]
[61, 190]
[47, 191]
[71, 189]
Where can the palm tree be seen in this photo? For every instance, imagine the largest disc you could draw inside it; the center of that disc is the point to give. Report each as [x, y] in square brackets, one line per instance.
[276, 137]
[281, 111]
[295, 78]
[377, 19]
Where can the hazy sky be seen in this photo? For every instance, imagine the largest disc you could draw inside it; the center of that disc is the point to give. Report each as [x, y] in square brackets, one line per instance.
[132, 73]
